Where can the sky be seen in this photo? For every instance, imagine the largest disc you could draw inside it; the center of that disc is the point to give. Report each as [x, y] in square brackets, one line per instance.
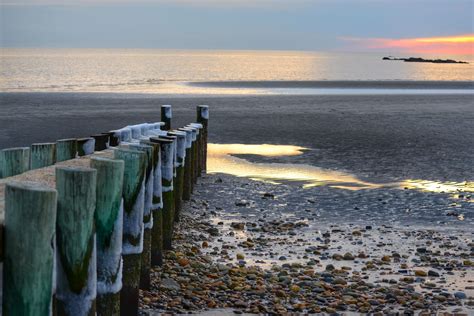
[409, 26]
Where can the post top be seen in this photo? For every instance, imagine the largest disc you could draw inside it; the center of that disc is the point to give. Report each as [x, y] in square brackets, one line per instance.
[66, 140]
[104, 160]
[74, 169]
[14, 149]
[29, 186]
[42, 144]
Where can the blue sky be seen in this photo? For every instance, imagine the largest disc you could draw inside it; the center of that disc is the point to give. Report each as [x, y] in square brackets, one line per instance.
[227, 24]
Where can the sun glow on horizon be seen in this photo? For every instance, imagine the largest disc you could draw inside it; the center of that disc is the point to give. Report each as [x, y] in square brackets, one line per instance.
[453, 45]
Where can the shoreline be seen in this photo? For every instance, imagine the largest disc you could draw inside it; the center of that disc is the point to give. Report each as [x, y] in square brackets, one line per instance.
[224, 251]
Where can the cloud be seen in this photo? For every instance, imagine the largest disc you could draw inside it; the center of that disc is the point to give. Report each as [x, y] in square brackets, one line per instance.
[457, 44]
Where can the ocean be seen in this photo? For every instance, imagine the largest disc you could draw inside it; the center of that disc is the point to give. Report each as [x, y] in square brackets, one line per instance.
[201, 72]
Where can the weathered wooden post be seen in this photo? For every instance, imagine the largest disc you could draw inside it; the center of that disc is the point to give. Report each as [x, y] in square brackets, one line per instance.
[180, 161]
[187, 164]
[14, 161]
[114, 138]
[166, 116]
[109, 227]
[200, 152]
[195, 158]
[66, 149]
[30, 224]
[75, 241]
[101, 141]
[203, 118]
[167, 158]
[147, 215]
[125, 134]
[134, 201]
[43, 155]
[157, 207]
[85, 146]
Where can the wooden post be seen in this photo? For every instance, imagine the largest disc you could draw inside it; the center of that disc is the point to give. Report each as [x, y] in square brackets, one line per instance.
[194, 149]
[187, 164]
[203, 118]
[109, 228]
[157, 207]
[114, 138]
[43, 155]
[30, 224]
[75, 240]
[14, 161]
[147, 215]
[136, 131]
[166, 116]
[167, 158]
[85, 146]
[134, 201]
[200, 152]
[125, 134]
[66, 149]
[101, 141]
[180, 160]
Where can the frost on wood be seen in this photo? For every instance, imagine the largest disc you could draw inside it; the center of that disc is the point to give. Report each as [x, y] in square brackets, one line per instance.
[109, 260]
[167, 111]
[134, 199]
[204, 111]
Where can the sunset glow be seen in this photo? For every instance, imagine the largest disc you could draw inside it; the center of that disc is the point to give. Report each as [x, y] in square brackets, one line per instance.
[456, 45]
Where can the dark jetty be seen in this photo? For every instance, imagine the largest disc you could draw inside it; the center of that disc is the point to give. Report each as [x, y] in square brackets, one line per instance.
[422, 60]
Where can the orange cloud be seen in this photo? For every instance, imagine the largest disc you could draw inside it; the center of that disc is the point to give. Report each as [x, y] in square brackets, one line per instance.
[456, 45]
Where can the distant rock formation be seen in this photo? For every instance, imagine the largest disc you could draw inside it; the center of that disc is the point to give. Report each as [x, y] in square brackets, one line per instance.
[422, 60]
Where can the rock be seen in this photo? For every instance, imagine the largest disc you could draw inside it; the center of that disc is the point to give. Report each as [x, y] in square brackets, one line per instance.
[433, 273]
[237, 226]
[170, 284]
[386, 259]
[243, 203]
[348, 256]
[240, 256]
[213, 231]
[330, 267]
[420, 273]
[460, 295]
[183, 262]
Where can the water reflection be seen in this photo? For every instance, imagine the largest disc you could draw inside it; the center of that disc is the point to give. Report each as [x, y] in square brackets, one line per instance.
[221, 160]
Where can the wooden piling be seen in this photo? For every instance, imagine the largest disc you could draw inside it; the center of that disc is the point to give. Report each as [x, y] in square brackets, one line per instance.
[203, 118]
[200, 152]
[167, 158]
[147, 214]
[14, 161]
[30, 224]
[180, 161]
[134, 200]
[101, 141]
[166, 116]
[114, 138]
[187, 164]
[42, 155]
[194, 155]
[66, 149]
[125, 134]
[109, 228]
[85, 146]
[156, 249]
[75, 240]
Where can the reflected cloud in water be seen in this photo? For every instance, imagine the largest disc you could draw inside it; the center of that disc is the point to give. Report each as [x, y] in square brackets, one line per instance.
[221, 159]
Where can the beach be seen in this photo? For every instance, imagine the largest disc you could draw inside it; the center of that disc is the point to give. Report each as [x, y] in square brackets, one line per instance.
[350, 185]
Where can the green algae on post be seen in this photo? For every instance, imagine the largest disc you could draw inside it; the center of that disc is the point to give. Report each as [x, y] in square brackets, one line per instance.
[147, 214]
[167, 158]
[109, 228]
[133, 194]
[29, 256]
[66, 149]
[75, 241]
[14, 161]
[42, 155]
